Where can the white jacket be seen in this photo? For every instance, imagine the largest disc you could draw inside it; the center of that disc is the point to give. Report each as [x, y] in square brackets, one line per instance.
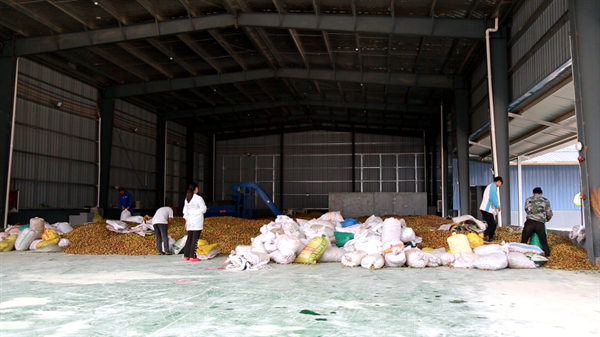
[490, 202]
[193, 213]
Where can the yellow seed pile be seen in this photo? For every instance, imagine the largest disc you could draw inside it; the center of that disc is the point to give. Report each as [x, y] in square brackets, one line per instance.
[231, 232]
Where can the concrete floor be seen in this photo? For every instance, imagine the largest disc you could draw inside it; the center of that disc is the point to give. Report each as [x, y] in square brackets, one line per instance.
[58, 294]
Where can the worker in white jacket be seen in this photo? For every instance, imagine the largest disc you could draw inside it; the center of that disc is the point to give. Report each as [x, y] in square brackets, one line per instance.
[193, 213]
[490, 206]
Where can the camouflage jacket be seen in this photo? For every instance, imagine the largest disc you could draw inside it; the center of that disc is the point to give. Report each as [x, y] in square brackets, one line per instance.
[538, 208]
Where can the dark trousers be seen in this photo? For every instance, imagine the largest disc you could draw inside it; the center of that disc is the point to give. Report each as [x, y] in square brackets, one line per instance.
[491, 225]
[162, 237]
[191, 243]
[532, 226]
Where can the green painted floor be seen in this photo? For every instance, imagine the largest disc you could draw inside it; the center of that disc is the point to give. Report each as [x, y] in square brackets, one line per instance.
[78, 295]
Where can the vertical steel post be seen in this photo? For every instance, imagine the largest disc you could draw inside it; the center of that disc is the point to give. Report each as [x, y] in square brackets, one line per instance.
[520, 184]
[443, 159]
[585, 52]
[9, 78]
[190, 142]
[500, 83]
[107, 114]
[161, 160]
[461, 107]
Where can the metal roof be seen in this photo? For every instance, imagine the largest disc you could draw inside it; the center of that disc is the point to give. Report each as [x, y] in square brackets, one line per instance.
[372, 66]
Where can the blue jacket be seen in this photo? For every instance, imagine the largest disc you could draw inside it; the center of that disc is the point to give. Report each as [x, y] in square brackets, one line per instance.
[126, 200]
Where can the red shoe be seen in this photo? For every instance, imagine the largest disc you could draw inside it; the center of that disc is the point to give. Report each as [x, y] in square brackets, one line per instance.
[194, 260]
[186, 258]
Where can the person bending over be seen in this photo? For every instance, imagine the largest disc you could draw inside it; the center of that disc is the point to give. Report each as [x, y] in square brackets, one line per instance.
[538, 213]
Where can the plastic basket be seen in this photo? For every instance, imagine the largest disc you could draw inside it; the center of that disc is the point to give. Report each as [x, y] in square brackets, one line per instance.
[342, 238]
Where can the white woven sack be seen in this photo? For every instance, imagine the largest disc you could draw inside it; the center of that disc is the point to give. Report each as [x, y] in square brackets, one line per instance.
[408, 234]
[262, 257]
[63, 227]
[332, 216]
[519, 261]
[371, 246]
[125, 214]
[116, 224]
[63, 242]
[432, 260]
[25, 238]
[373, 219]
[444, 257]
[34, 243]
[283, 219]
[286, 245]
[135, 218]
[179, 245]
[372, 261]
[213, 252]
[395, 260]
[493, 261]
[353, 259]
[300, 247]
[278, 257]
[486, 249]
[416, 258]
[392, 230]
[524, 248]
[270, 246]
[258, 246]
[332, 254]
[464, 260]
[315, 222]
[239, 250]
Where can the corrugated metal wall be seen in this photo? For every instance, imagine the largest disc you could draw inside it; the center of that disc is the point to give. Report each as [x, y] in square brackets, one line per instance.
[55, 158]
[201, 149]
[560, 183]
[133, 157]
[176, 164]
[551, 26]
[479, 101]
[317, 163]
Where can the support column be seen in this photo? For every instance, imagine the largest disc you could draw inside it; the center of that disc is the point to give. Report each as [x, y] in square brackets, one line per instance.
[427, 157]
[107, 115]
[444, 158]
[209, 169]
[161, 158]
[353, 158]
[585, 52]
[500, 86]
[281, 147]
[461, 109]
[190, 141]
[8, 71]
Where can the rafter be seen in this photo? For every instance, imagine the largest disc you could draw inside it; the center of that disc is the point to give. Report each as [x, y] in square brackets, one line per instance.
[153, 11]
[77, 60]
[415, 26]
[189, 8]
[13, 28]
[203, 96]
[265, 89]
[146, 59]
[173, 56]
[234, 54]
[21, 8]
[112, 10]
[72, 13]
[193, 45]
[409, 80]
[244, 92]
[419, 110]
[111, 58]
[220, 92]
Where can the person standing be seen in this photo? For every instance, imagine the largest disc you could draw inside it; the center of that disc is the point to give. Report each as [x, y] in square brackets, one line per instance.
[193, 213]
[125, 200]
[490, 206]
[538, 213]
[160, 222]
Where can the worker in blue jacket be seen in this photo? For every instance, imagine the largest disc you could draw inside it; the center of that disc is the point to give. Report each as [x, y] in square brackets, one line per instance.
[490, 206]
[125, 200]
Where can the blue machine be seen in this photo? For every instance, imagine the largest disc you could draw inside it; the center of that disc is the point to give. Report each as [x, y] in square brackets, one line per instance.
[243, 199]
[243, 202]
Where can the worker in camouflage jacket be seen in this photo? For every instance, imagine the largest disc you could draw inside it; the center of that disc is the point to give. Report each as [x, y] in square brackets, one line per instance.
[538, 213]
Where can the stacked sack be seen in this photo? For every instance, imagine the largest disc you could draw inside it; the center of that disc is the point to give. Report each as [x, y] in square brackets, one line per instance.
[35, 235]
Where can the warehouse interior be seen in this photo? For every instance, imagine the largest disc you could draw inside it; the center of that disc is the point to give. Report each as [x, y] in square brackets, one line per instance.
[304, 97]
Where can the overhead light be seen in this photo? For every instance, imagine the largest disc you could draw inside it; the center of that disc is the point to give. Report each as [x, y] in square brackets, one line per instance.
[170, 58]
[579, 146]
[96, 3]
[58, 104]
[135, 129]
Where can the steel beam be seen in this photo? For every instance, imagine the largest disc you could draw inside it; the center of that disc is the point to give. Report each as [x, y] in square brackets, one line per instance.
[203, 96]
[133, 51]
[219, 110]
[111, 58]
[188, 7]
[72, 58]
[150, 8]
[193, 45]
[20, 8]
[72, 13]
[225, 45]
[112, 10]
[384, 123]
[184, 64]
[134, 89]
[414, 26]
[585, 49]
[14, 28]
